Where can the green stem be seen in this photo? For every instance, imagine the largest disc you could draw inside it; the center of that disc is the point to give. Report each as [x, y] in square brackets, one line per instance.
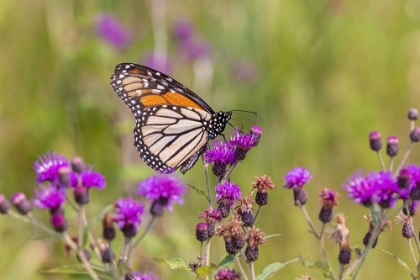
[146, 230]
[256, 214]
[407, 153]
[81, 255]
[324, 252]
[251, 270]
[381, 160]
[308, 220]
[241, 269]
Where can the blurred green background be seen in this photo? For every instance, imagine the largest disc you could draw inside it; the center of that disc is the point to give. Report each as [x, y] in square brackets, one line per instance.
[320, 74]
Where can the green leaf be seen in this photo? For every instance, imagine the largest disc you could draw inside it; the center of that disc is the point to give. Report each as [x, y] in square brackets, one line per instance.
[271, 269]
[200, 192]
[226, 261]
[400, 262]
[204, 271]
[95, 219]
[272, 235]
[175, 263]
[318, 265]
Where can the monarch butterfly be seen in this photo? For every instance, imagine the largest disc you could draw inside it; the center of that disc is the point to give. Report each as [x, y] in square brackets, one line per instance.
[173, 124]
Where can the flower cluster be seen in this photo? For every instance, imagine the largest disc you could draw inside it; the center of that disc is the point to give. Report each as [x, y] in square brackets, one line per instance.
[222, 154]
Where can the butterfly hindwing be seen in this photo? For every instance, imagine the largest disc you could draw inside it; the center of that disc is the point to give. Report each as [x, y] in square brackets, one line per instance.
[167, 137]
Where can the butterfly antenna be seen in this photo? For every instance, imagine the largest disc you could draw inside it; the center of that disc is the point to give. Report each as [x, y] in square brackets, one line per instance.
[246, 117]
[242, 125]
[245, 111]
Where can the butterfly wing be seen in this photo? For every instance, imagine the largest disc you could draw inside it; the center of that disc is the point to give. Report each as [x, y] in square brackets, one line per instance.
[171, 120]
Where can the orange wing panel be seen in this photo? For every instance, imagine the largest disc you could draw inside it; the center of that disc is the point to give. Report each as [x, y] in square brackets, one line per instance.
[169, 98]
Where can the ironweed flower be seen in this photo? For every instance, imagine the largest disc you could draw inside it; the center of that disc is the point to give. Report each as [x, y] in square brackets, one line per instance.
[108, 231]
[163, 191]
[387, 189]
[227, 193]
[47, 167]
[183, 30]
[88, 178]
[201, 232]
[413, 114]
[227, 274]
[211, 216]
[49, 198]
[138, 276]
[392, 146]
[112, 31]
[360, 188]
[58, 222]
[244, 210]
[295, 179]
[414, 185]
[328, 199]
[255, 237]
[158, 62]
[128, 215]
[262, 184]
[242, 142]
[256, 132]
[221, 154]
[415, 134]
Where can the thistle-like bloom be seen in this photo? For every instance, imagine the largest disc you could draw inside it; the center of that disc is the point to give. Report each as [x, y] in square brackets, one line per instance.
[227, 274]
[88, 178]
[262, 184]
[414, 181]
[242, 142]
[112, 31]
[255, 237]
[221, 154]
[211, 215]
[387, 189]
[158, 62]
[128, 215]
[297, 177]
[49, 198]
[360, 188]
[183, 30]
[228, 192]
[138, 276]
[256, 132]
[163, 188]
[47, 166]
[328, 199]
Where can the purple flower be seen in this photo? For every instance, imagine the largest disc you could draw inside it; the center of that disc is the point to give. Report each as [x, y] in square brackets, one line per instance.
[128, 212]
[49, 198]
[47, 166]
[211, 215]
[228, 192]
[112, 31]
[242, 143]
[245, 72]
[158, 62]
[220, 152]
[360, 188]
[297, 177]
[138, 276]
[88, 178]
[183, 30]
[195, 48]
[256, 132]
[387, 189]
[163, 188]
[227, 274]
[415, 174]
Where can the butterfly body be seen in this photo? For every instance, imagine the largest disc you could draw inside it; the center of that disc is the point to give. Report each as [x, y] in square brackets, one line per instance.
[173, 124]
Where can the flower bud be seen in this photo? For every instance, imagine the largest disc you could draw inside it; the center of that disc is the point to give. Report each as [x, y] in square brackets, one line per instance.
[201, 232]
[108, 230]
[375, 141]
[21, 203]
[366, 239]
[392, 146]
[4, 204]
[413, 114]
[403, 179]
[251, 253]
[300, 196]
[230, 249]
[81, 195]
[344, 256]
[407, 232]
[64, 176]
[77, 164]
[415, 134]
[87, 255]
[58, 222]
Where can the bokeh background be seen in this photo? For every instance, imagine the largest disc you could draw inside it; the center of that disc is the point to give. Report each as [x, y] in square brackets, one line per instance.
[320, 74]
